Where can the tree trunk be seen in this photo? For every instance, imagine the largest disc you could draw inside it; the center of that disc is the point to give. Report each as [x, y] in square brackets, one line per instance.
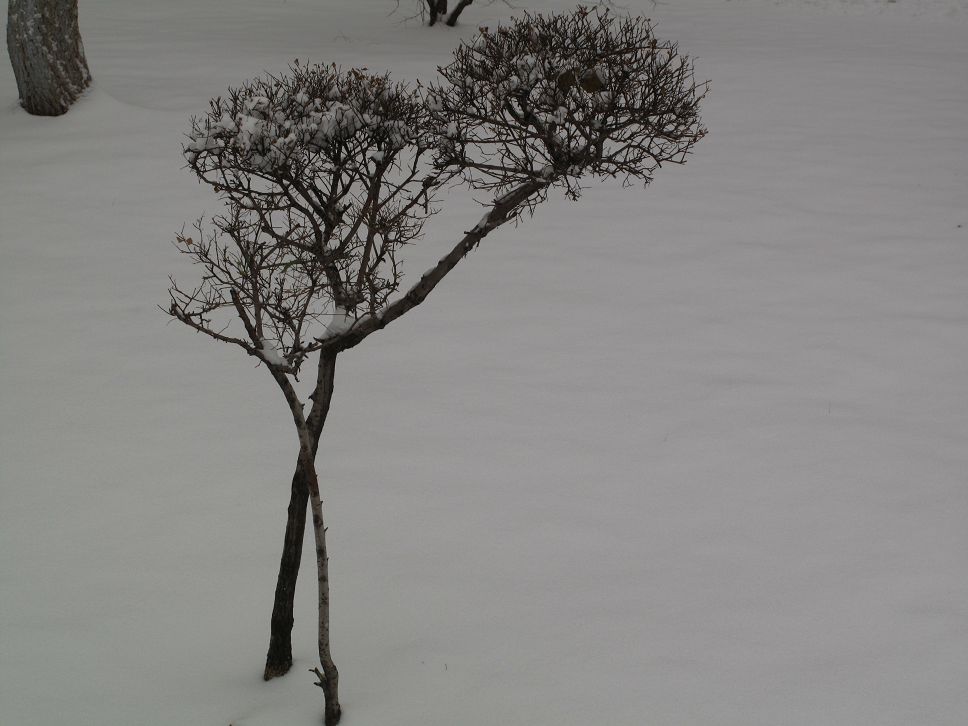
[329, 678]
[279, 656]
[438, 9]
[44, 42]
[455, 13]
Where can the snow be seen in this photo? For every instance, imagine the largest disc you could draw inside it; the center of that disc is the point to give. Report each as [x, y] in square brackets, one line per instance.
[692, 455]
[341, 320]
[273, 356]
[482, 222]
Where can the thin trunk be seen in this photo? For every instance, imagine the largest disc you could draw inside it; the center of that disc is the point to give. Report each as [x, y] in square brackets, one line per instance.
[279, 656]
[44, 43]
[329, 678]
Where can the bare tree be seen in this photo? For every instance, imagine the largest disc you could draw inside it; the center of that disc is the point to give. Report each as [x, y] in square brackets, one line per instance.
[326, 174]
[44, 43]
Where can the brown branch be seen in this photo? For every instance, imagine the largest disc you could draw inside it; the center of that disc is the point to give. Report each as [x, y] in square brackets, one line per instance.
[183, 317]
[505, 208]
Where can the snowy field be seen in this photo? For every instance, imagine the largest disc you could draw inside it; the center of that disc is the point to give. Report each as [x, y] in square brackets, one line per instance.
[693, 456]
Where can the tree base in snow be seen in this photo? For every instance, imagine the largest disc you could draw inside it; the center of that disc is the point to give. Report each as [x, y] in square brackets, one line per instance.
[274, 670]
[47, 55]
[333, 711]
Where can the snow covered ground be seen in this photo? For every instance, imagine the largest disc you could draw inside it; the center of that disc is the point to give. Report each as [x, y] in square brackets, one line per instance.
[691, 456]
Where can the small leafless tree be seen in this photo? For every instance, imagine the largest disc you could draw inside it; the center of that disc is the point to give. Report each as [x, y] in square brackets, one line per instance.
[326, 175]
[44, 43]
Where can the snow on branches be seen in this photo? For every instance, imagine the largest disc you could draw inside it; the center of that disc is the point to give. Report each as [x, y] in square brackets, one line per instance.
[326, 174]
[551, 98]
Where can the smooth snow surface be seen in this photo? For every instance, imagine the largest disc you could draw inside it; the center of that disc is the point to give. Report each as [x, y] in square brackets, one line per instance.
[693, 456]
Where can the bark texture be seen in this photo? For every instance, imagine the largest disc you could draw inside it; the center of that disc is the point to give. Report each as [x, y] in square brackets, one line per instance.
[279, 656]
[44, 42]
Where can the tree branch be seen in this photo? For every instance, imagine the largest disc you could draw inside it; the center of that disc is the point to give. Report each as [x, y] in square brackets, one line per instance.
[505, 208]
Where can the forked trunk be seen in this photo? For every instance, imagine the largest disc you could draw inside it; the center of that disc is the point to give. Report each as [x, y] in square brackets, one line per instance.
[279, 656]
[329, 678]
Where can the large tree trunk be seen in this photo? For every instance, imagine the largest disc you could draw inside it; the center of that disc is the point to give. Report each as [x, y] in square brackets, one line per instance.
[47, 55]
[279, 656]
